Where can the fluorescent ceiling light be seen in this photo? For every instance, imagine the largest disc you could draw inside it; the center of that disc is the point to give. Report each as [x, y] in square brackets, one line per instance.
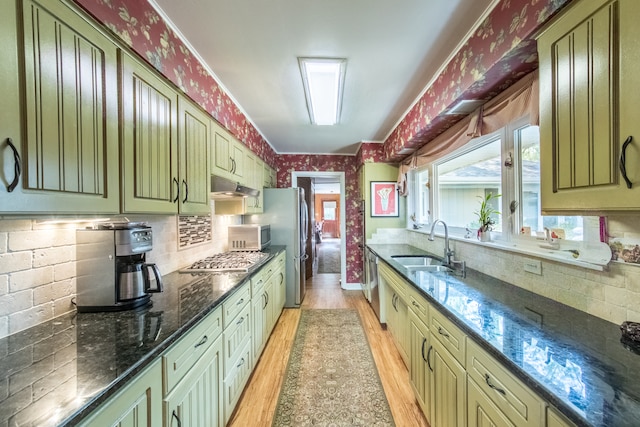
[323, 80]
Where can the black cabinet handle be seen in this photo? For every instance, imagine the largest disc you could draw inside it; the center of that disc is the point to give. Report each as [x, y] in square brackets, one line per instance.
[424, 342]
[186, 191]
[16, 166]
[428, 360]
[623, 161]
[174, 415]
[487, 379]
[202, 341]
[177, 190]
[241, 363]
[442, 332]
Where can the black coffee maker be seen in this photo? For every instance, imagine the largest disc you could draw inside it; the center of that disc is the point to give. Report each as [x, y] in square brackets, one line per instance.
[112, 270]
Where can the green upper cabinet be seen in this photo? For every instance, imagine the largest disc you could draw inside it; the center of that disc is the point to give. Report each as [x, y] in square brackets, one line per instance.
[165, 146]
[149, 141]
[69, 149]
[229, 155]
[588, 96]
[195, 142]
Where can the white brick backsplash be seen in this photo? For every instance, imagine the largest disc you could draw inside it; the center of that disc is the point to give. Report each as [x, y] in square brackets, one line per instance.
[64, 305]
[53, 291]
[24, 240]
[16, 301]
[4, 284]
[29, 279]
[3, 242]
[15, 261]
[64, 271]
[22, 320]
[51, 256]
[10, 225]
[4, 326]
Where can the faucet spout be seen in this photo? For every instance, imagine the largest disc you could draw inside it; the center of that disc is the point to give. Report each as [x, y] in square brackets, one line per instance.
[448, 253]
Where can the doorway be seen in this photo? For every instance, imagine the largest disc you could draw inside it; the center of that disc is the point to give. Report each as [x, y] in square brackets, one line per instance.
[328, 215]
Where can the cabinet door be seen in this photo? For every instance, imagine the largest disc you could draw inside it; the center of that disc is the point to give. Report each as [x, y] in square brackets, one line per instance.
[149, 141]
[250, 167]
[70, 146]
[419, 371]
[259, 312]
[138, 404]
[197, 401]
[449, 389]
[221, 163]
[195, 132]
[281, 283]
[482, 411]
[237, 152]
[588, 97]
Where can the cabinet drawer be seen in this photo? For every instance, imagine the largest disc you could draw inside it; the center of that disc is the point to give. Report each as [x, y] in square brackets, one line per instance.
[235, 335]
[182, 355]
[393, 279]
[235, 303]
[236, 379]
[512, 397]
[418, 304]
[269, 269]
[257, 284]
[448, 334]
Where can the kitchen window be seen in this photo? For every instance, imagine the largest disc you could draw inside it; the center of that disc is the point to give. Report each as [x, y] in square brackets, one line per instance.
[505, 163]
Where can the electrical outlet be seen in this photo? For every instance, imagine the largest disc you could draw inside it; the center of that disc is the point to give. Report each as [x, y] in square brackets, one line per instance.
[533, 266]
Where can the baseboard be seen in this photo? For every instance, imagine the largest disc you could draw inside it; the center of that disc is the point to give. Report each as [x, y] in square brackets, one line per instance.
[352, 287]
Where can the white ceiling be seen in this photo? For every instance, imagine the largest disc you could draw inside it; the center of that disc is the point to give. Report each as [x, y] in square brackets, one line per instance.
[394, 49]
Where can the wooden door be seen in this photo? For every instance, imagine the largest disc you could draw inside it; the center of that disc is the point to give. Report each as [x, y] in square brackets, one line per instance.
[328, 205]
[149, 141]
[194, 125]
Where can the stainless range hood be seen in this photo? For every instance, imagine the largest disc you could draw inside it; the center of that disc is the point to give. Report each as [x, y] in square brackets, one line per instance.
[223, 188]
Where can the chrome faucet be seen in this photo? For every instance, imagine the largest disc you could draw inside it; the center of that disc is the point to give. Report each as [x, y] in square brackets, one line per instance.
[448, 253]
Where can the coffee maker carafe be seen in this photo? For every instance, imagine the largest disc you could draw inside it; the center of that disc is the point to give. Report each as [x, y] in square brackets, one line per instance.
[112, 270]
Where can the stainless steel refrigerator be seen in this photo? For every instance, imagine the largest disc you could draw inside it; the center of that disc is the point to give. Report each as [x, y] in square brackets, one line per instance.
[287, 212]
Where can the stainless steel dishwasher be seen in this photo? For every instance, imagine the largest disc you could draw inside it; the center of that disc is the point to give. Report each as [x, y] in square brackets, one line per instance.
[372, 280]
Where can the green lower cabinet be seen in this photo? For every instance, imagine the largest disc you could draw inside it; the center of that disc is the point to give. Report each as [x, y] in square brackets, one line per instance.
[482, 411]
[197, 401]
[138, 404]
[419, 371]
[448, 388]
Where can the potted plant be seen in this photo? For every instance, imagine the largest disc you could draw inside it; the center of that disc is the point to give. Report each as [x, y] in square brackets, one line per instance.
[485, 216]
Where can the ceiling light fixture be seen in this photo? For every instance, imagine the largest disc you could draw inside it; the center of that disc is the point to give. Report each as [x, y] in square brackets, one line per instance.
[323, 81]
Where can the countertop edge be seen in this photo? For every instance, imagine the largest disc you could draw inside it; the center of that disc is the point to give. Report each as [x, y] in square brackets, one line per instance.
[531, 382]
[113, 388]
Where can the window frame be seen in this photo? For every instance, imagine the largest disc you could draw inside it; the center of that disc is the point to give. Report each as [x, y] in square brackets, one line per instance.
[511, 184]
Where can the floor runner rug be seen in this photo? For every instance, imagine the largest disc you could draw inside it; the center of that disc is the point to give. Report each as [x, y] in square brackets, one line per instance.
[331, 378]
[329, 256]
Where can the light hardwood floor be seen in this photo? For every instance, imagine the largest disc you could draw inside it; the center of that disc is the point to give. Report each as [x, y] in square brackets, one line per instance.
[258, 402]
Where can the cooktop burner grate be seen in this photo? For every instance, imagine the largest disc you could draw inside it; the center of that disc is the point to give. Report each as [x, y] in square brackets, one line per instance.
[227, 261]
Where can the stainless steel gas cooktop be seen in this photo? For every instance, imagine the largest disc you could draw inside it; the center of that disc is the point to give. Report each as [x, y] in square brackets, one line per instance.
[227, 261]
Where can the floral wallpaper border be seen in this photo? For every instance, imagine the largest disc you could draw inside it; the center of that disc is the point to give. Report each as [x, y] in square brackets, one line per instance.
[140, 26]
[497, 55]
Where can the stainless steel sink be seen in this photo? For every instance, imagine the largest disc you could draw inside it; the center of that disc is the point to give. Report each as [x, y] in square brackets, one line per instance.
[417, 260]
[429, 268]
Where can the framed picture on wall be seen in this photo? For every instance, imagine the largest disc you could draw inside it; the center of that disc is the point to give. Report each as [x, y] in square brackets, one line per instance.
[384, 198]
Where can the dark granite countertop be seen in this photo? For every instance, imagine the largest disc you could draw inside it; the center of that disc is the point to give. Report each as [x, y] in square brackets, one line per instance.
[56, 373]
[573, 360]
